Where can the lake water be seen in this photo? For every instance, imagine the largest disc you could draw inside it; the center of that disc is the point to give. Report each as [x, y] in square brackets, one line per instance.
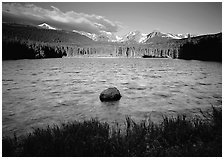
[36, 93]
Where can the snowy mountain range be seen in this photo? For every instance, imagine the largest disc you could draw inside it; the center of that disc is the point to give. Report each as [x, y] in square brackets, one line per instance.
[131, 37]
[137, 36]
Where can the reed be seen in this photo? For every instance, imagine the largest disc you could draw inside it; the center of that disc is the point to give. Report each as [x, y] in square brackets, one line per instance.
[172, 137]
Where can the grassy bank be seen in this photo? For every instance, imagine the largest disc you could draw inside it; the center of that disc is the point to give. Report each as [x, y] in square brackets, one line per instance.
[173, 137]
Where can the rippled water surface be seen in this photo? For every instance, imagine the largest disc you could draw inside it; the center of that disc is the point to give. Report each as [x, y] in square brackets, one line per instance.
[51, 91]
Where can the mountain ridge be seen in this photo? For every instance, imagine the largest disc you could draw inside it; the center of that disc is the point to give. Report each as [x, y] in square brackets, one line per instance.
[26, 41]
[131, 37]
[40, 34]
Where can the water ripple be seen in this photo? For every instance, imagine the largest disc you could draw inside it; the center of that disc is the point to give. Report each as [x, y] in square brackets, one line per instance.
[42, 92]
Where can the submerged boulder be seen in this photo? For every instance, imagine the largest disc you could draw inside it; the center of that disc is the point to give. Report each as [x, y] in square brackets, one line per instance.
[110, 94]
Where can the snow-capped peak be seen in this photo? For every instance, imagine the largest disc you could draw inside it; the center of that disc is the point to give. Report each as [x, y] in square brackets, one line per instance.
[118, 39]
[173, 36]
[89, 35]
[165, 35]
[46, 26]
[143, 38]
[132, 34]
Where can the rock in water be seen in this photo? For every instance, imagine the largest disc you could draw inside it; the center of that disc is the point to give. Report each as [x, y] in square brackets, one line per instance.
[110, 94]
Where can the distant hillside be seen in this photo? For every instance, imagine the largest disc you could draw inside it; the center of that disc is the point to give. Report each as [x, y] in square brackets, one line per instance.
[38, 34]
[206, 47]
[33, 42]
[157, 42]
[158, 37]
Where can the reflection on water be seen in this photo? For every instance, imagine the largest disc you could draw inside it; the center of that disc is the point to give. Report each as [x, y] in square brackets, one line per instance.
[52, 91]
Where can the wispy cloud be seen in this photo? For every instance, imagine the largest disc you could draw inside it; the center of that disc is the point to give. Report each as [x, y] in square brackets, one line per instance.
[71, 19]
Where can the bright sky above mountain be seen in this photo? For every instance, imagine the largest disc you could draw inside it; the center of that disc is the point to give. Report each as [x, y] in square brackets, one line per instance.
[120, 17]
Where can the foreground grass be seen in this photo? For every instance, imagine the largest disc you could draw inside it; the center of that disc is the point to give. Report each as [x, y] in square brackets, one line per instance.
[173, 137]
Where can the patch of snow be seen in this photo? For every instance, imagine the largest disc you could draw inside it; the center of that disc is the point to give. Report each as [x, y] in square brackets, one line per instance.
[46, 26]
[118, 39]
[89, 35]
[143, 38]
[172, 36]
[105, 32]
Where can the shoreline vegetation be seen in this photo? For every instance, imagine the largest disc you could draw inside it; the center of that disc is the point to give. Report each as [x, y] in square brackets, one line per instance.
[174, 136]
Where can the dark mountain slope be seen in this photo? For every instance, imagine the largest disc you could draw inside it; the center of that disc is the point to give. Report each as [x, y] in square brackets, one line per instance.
[37, 34]
[207, 47]
[30, 42]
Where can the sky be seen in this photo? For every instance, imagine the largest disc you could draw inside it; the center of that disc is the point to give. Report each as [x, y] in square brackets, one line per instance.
[119, 18]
